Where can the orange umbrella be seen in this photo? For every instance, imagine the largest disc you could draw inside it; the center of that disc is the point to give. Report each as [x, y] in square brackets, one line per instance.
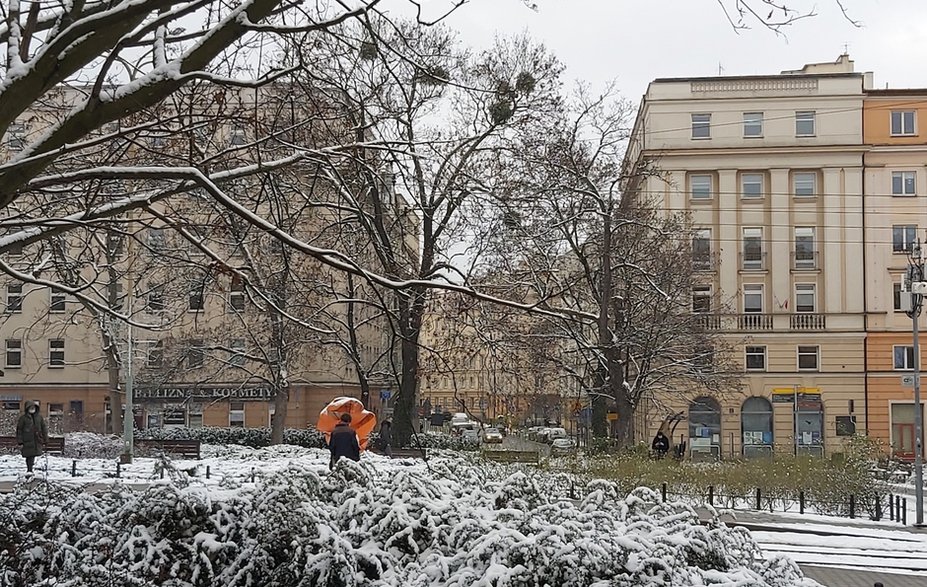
[362, 421]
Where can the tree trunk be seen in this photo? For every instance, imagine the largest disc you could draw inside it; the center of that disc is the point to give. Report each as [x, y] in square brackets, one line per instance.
[115, 395]
[605, 338]
[624, 432]
[278, 422]
[405, 410]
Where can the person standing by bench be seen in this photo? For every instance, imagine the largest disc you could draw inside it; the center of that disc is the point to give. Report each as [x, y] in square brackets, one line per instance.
[31, 434]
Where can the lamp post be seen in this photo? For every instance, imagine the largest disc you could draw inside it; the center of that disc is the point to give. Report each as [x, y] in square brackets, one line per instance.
[917, 287]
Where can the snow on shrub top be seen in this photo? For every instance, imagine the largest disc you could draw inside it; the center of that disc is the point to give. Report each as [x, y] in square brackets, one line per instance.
[374, 523]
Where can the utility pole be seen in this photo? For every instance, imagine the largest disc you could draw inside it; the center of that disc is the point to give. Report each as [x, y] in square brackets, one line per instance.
[128, 419]
[917, 286]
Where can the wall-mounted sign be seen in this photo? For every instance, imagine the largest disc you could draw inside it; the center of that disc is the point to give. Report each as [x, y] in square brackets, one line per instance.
[203, 393]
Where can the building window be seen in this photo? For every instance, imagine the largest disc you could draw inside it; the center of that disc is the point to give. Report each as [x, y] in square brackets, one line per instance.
[57, 303]
[237, 137]
[56, 353]
[903, 357]
[805, 297]
[155, 358]
[195, 418]
[903, 183]
[804, 247]
[701, 126]
[701, 299]
[756, 358]
[195, 299]
[237, 356]
[896, 297]
[751, 185]
[156, 239]
[155, 298]
[804, 124]
[236, 414]
[808, 358]
[237, 293]
[753, 124]
[14, 298]
[195, 354]
[753, 248]
[14, 353]
[174, 416]
[753, 298]
[115, 244]
[15, 136]
[903, 237]
[804, 184]
[903, 123]
[701, 249]
[700, 186]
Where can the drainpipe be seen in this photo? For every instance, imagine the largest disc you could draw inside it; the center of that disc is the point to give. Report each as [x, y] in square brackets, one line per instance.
[865, 275]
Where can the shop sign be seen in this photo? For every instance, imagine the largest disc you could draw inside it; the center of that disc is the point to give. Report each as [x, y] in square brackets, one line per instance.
[203, 393]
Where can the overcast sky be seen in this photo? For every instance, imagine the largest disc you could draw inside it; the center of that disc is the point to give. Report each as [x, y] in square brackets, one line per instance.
[635, 41]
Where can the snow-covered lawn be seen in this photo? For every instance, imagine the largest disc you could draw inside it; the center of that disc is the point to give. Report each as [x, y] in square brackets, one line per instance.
[379, 523]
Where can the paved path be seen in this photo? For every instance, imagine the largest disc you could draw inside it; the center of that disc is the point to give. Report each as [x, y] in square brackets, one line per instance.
[831, 577]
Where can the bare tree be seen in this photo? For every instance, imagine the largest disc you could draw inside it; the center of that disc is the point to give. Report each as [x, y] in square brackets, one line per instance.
[567, 232]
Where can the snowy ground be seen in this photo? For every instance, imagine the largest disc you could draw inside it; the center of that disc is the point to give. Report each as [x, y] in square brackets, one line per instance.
[383, 523]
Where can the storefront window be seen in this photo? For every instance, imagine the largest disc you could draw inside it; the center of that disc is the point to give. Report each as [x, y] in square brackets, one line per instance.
[705, 428]
[756, 423]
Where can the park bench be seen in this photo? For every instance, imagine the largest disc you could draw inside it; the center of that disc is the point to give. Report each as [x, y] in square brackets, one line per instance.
[188, 449]
[406, 453]
[513, 456]
[54, 446]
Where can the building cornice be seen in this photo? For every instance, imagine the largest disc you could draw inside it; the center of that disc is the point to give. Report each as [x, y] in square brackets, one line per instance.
[786, 150]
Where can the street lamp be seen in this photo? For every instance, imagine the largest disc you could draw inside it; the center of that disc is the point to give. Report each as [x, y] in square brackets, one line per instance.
[917, 286]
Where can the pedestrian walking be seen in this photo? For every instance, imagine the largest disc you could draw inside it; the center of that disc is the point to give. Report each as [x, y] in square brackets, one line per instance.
[386, 438]
[31, 434]
[343, 441]
[660, 445]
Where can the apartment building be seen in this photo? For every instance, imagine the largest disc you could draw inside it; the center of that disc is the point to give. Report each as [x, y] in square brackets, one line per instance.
[224, 314]
[770, 168]
[895, 184]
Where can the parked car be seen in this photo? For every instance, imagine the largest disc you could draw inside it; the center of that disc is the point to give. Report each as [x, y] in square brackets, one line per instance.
[470, 434]
[492, 436]
[562, 446]
[541, 435]
[555, 433]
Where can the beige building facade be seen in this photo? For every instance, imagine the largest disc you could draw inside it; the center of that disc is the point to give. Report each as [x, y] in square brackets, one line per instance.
[770, 169]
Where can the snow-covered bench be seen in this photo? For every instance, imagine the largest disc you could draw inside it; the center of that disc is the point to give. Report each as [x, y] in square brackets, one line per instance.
[54, 446]
[513, 456]
[188, 449]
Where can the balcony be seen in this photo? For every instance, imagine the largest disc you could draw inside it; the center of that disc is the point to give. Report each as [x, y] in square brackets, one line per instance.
[805, 260]
[808, 321]
[753, 321]
[753, 261]
[759, 322]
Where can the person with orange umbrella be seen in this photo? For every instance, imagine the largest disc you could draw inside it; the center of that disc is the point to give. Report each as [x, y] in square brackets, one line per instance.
[343, 441]
[353, 424]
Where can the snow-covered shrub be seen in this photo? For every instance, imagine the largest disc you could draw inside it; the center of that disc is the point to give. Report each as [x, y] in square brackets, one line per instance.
[374, 523]
[253, 437]
[91, 445]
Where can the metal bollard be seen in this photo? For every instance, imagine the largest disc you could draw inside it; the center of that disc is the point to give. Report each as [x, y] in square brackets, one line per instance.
[252, 474]
[74, 468]
[759, 499]
[878, 508]
[118, 469]
[801, 501]
[711, 495]
[904, 511]
[663, 492]
[852, 506]
[207, 471]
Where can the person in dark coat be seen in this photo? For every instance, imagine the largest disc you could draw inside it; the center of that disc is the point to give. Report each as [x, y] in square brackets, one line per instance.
[343, 441]
[660, 444]
[386, 438]
[31, 434]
